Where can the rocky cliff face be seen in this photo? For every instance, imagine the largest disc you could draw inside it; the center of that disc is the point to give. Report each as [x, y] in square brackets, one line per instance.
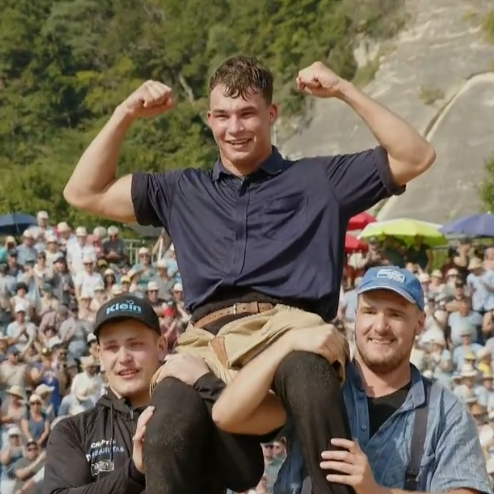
[437, 74]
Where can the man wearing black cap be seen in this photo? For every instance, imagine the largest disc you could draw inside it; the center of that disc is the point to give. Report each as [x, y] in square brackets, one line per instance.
[100, 450]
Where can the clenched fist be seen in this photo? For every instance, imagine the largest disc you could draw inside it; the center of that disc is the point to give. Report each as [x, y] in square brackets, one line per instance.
[151, 99]
[317, 80]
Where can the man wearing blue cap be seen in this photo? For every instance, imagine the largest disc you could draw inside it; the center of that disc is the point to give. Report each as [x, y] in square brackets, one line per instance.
[409, 434]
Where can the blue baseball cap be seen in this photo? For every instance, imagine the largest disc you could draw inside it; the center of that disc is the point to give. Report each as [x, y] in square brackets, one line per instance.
[398, 280]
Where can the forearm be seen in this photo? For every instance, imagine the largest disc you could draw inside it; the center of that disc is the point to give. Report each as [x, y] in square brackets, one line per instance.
[97, 168]
[251, 385]
[400, 140]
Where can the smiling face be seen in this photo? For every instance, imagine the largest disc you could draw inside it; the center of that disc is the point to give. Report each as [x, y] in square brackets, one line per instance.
[385, 329]
[130, 353]
[241, 112]
[241, 127]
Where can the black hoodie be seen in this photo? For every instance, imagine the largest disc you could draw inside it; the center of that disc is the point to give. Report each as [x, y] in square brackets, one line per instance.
[80, 454]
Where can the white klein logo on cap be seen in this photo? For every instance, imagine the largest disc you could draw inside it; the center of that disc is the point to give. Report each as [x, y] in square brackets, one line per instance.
[391, 274]
[127, 306]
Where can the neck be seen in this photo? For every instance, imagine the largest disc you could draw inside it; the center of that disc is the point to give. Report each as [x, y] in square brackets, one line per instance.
[378, 384]
[138, 400]
[243, 169]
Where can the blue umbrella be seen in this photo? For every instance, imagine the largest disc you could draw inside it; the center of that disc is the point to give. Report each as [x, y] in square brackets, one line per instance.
[16, 223]
[474, 225]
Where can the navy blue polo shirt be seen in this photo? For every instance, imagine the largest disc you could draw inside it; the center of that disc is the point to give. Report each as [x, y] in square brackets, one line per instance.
[279, 231]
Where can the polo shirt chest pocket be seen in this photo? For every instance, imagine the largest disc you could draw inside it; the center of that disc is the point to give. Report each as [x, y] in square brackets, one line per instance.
[284, 217]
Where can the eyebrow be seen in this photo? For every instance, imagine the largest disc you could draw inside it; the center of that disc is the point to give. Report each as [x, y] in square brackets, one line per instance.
[111, 342]
[218, 111]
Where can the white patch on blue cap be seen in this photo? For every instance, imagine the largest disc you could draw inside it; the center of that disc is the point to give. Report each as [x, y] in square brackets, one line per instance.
[391, 274]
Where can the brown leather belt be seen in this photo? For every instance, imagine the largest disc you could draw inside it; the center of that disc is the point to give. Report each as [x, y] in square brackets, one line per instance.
[246, 308]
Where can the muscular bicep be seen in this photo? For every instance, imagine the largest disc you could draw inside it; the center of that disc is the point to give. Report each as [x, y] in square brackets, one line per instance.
[114, 202]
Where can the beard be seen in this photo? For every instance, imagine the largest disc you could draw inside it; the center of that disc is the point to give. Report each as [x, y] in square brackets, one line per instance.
[386, 363]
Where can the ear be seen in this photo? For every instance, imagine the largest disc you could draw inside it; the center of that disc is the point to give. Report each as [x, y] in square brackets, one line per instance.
[273, 114]
[162, 348]
[209, 117]
[420, 324]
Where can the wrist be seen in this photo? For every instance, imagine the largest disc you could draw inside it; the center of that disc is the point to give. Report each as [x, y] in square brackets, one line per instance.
[287, 343]
[347, 91]
[123, 115]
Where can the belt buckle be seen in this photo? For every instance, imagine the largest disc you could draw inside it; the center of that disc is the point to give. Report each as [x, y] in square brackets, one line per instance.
[235, 309]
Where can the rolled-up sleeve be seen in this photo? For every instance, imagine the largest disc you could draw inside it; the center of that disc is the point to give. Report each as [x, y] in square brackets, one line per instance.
[460, 463]
[361, 180]
[152, 196]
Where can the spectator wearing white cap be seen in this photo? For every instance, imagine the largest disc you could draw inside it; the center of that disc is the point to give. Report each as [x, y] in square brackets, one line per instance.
[21, 332]
[45, 392]
[92, 344]
[73, 332]
[80, 250]
[467, 346]
[35, 424]
[466, 390]
[87, 279]
[65, 235]
[463, 317]
[114, 247]
[100, 297]
[143, 265]
[26, 250]
[49, 378]
[13, 408]
[10, 243]
[152, 296]
[52, 249]
[171, 261]
[440, 360]
[165, 283]
[86, 312]
[178, 298]
[87, 385]
[12, 451]
[484, 391]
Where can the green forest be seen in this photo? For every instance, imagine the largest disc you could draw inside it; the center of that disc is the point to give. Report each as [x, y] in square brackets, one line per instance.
[65, 65]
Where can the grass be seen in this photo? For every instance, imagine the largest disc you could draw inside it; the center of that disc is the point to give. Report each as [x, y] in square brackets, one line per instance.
[366, 73]
[488, 26]
[430, 95]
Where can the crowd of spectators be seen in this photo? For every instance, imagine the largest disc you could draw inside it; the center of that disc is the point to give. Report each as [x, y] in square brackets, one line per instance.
[52, 281]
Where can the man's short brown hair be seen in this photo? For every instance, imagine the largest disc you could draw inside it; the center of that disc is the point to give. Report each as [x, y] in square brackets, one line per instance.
[242, 75]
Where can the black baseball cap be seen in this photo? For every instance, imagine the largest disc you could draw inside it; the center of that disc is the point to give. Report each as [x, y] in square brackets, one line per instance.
[127, 306]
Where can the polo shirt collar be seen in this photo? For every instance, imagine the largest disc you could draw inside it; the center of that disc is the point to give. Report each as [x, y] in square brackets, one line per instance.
[272, 165]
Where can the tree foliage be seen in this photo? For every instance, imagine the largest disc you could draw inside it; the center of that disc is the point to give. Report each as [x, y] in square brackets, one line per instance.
[66, 64]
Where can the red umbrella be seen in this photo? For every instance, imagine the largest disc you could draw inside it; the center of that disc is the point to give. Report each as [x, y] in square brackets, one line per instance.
[360, 221]
[353, 244]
